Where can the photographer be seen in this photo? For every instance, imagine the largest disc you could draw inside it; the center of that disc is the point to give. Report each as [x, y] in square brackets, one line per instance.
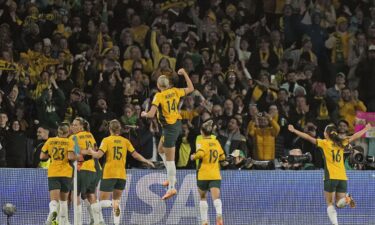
[306, 146]
[264, 131]
[297, 161]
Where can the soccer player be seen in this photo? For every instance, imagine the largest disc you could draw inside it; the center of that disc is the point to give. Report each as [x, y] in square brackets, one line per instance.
[166, 103]
[60, 172]
[87, 173]
[210, 154]
[335, 179]
[115, 148]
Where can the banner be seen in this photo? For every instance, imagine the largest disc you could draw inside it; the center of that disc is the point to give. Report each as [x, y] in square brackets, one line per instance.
[249, 198]
[362, 118]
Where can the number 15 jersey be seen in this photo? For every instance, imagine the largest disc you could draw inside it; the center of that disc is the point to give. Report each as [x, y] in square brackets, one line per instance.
[209, 153]
[167, 103]
[334, 168]
[115, 149]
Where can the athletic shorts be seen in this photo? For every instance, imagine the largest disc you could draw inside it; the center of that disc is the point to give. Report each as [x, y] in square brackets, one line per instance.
[64, 184]
[108, 185]
[206, 185]
[86, 182]
[170, 134]
[336, 186]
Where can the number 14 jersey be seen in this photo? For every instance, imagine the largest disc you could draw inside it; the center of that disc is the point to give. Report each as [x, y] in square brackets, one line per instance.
[115, 149]
[209, 153]
[167, 103]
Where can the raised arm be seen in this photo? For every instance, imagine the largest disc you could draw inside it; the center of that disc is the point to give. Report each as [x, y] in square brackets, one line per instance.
[302, 134]
[360, 133]
[190, 86]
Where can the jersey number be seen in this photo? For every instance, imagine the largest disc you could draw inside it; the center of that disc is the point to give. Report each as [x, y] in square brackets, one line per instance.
[214, 155]
[117, 153]
[173, 106]
[337, 157]
[58, 154]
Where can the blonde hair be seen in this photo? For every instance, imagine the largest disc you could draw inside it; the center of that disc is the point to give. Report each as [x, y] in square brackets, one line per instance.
[163, 81]
[115, 126]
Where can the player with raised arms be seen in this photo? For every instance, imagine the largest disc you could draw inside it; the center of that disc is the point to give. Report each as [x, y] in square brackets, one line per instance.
[60, 172]
[209, 153]
[335, 179]
[166, 103]
[115, 148]
[87, 171]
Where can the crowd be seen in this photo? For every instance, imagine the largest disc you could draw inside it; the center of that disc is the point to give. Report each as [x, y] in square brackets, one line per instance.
[257, 66]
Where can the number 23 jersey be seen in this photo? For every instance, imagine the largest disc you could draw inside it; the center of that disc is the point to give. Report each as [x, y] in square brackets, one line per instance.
[57, 148]
[115, 149]
[167, 103]
[209, 153]
[334, 168]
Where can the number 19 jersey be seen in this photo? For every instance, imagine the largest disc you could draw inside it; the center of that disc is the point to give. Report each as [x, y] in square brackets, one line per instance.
[210, 153]
[57, 148]
[167, 103]
[334, 168]
[115, 148]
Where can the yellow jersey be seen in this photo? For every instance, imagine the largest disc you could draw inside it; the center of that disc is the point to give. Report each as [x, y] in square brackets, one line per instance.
[85, 140]
[209, 153]
[57, 148]
[334, 168]
[115, 148]
[167, 103]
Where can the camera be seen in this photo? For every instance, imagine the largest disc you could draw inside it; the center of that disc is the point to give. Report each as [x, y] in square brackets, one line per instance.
[259, 165]
[357, 158]
[293, 159]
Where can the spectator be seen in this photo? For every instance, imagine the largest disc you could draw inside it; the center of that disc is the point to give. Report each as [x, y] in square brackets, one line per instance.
[264, 131]
[349, 105]
[231, 137]
[64, 82]
[15, 146]
[334, 92]
[343, 129]
[42, 135]
[99, 118]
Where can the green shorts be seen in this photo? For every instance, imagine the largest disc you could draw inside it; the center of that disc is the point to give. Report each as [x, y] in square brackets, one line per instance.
[170, 134]
[336, 186]
[206, 185]
[86, 182]
[64, 184]
[108, 185]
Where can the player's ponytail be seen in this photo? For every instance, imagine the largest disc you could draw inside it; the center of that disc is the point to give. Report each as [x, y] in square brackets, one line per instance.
[207, 127]
[331, 131]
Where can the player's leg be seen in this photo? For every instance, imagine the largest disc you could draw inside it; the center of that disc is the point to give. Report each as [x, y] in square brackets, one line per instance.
[342, 197]
[54, 193]
[203, 206]
[91, 180]
[117, 206]
[66, 185]
[215, 193]
[81, 190]
[329, 194]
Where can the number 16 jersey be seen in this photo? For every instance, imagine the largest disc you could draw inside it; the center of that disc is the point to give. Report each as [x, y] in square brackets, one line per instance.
[209, 153]
[115, 149]
[167, 103]
[334, 168]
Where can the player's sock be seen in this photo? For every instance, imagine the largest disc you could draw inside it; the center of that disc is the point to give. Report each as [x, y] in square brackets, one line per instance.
[64, 219]
[171, 173]
[89, 209]
[116, 211]
[79, 215]
[203, 208]
[218, 207]
[53, 205]
[341, 203]
[162, 156]
[106, 203]
[332, 214]
[96, 212]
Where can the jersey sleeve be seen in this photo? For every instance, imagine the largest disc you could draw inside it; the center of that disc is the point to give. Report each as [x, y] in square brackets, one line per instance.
[70, 145]
[200, 152]
[129, 146]
[180, 92]
[320, 143]
[45, 147]
[156, 100]
[104, 146]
